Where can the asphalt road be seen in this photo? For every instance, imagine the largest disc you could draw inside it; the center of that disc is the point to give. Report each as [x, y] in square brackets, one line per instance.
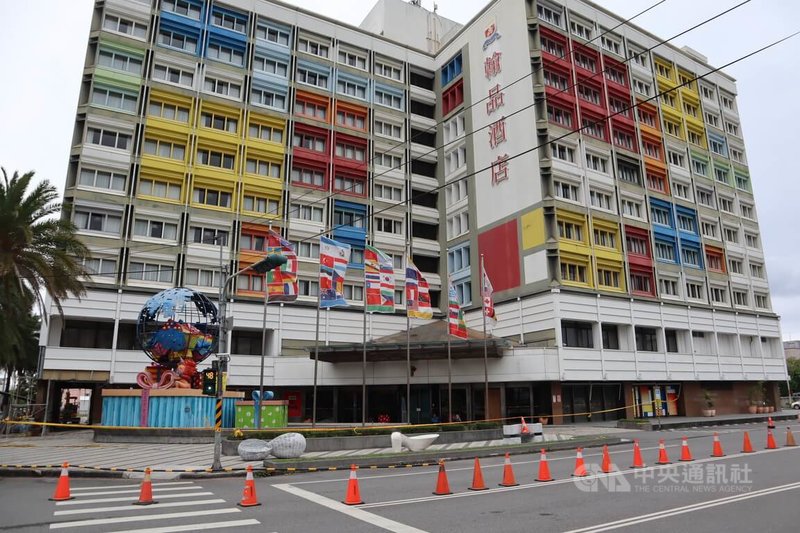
[738, 492]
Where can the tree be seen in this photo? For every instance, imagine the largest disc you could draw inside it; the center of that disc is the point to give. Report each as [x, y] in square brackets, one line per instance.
[793, 367]
[39, 252]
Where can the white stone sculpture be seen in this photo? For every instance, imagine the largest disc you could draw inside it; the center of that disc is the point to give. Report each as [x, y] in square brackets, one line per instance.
[254, 449]
[288, 445]
[414, 443]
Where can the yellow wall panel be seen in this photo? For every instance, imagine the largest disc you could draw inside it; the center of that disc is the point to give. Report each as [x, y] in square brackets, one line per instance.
[533, 233]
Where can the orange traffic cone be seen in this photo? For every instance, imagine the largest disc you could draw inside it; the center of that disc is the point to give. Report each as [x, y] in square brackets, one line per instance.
[544, 469]
[746, 446]
[524, 426]
[62, 488]
[146, 492]
[686, 453]
[249, 498]
[770, 440]
[606, 465]
[353, 496]
[770, 423]
[637, 455]
[580, 467]
[662, 454]
[477, 477]
[790, 438]
[508, 474]
[717, 451]
[442, 485]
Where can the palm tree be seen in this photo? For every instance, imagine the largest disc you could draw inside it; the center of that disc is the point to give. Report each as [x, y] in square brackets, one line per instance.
[39, 252]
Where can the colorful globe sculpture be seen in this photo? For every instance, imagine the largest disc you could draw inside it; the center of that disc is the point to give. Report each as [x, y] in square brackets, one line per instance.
[178, 326]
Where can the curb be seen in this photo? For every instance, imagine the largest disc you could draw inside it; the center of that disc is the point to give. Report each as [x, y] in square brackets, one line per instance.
[711, 422]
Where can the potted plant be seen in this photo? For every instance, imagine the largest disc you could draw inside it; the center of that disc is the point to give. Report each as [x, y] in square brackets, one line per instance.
[754, 397]
[709, 410]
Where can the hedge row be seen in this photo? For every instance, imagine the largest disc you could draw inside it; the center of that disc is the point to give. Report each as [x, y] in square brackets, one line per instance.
[358, 432]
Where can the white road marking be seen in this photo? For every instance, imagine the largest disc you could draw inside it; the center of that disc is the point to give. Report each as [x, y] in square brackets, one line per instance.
[686, 509]
[121, 519]
[196, 527]
[137, 507]
[353, 512]
[129, 485]
[133, 498]
[136, 488]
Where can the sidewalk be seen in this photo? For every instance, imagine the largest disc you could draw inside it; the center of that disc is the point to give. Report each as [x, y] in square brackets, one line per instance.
[43, 455]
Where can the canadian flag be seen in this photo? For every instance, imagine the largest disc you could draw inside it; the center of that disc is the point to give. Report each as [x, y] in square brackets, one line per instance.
[486, 294]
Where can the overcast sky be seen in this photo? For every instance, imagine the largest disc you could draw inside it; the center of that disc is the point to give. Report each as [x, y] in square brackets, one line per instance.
[41, 71]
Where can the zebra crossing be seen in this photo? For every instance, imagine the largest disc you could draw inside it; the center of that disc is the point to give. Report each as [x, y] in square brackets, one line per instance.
[182, 506]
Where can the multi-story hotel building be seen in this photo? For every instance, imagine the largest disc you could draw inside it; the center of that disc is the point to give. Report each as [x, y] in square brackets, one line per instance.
[600, 172]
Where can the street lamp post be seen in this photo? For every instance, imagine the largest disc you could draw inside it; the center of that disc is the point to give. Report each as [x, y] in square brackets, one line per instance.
[268, 263]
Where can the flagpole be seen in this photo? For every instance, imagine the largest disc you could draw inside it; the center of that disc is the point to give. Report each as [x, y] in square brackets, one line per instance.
[485, 349]
[263, 354]
[449, 365]
[316, 362]
[408, 342]
[364, 358]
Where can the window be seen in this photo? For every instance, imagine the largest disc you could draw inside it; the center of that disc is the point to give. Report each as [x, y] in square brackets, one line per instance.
[128, 27]
[312, 47]
[559, 116]
[108, 138]
[757, 270]
[182, 7]
[727, 102]
[119, 61]
[668, 99]
[585, 62]
[555, 80]
[590, 94]
[310, 109]
[639, 56]
[552, 47]
[306, 249]
[99, 221]
[455, 192]
[582, 30]
[226, 54]
[621, 107]
[709, 229]
[307, 288]
[623, 139]
[594, 128]
[306, 212]
[272, 34]
[690, 109]
[681, 190]
[389, 225]
[705, 197]
[608, 278]
[101, 267]
[388, 99]
[174, 75]
[669, 287]
[735, 266]
[212, 236]
[691, 257]
[605, 238]
[219, 122]
[611, 44]
[645, 89]
[258, 204]
[732, 235]
[150, 272]
[350, 119]
[737, 155]
[732, 128]
[168, 111]
[308, 141]
[201, 277]
[179, 41]
[222, 87]
[457, 224]
[719, 295]
[310, 77]
[646, 339]
[646, 117]
[665, 252]
[597, 163]
[114, 99]
[355, 219]
[270, 66]
[551, 15]
[229, 21]
[631, 208]
[565, 190]
[388, 71]
[751, 240]
[641, 283]
[570, 230]
[695, 290]
[265, 132]
[350, 88]
[350, 184]
[350, 151]
[458, 259]
[263, 168]
[708, 93]
[742, 182]
[451, 70]
[747, 211]
[102, 179]
[161, 148]
[155, 229]
[387, 129]
[387, 192]
[307, 176]
[159, 189]
[600, 199]
[213, 158]
[455, 159]
[676, 158]
[253, 241]
[353, 59]
[353, 292]
[762, 300]
[671, 339]
[717, 146]
[663, 70]
[673, 128]
[563, 152]
[453, 128]
[661, 216]
[721, 175]
[628, 173]
[694, 137]
[576, 334]
[726, 204]
[387, 160]
[740, 297]
[687, 223]
[636, 245]
[212, 197]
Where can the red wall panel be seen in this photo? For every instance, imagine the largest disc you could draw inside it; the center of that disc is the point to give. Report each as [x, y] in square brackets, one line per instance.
[500, 248]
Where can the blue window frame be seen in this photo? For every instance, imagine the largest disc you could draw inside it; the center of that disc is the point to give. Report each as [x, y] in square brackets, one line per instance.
[451, 70]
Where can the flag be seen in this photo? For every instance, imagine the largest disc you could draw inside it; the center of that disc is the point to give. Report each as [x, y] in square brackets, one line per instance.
[486, 294]
[379, 281]
[455, 316]
[418, 296]
[282, 282]
[333, 259]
